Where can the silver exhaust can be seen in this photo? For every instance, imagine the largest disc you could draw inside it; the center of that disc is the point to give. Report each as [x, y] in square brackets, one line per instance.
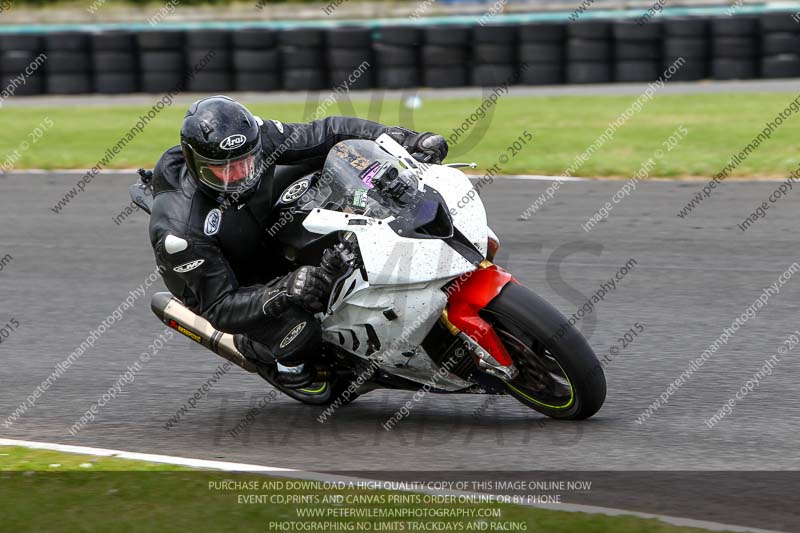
[178, 317]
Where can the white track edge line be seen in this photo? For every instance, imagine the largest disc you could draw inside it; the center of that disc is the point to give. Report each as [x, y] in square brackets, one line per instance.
[153, 458]
[315, 476]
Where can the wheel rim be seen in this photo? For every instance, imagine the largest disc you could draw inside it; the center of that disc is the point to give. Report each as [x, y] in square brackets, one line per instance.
[541, 378]
[315, 389]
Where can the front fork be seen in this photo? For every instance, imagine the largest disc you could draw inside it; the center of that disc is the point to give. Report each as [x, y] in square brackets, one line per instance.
[467, 296]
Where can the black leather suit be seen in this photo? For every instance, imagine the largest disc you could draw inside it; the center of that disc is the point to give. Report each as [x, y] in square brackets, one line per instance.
[218, 259]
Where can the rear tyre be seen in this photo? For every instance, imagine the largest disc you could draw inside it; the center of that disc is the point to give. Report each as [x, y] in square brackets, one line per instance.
[560, 376]
[327, 393]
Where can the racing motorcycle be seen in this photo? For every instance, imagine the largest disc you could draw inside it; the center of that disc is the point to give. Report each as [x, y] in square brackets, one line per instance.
[421, 305]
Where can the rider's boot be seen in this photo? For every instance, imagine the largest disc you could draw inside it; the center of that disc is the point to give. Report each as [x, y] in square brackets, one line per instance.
[295, 377]
[283, 351]
[291, 375]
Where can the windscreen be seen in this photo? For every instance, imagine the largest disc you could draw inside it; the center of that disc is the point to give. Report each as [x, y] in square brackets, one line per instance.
[349, 177]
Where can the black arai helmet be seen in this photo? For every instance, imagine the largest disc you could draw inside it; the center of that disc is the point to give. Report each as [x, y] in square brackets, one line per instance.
[221, 142]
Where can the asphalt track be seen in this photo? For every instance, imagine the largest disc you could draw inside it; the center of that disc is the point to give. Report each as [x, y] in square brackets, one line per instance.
[693, 277]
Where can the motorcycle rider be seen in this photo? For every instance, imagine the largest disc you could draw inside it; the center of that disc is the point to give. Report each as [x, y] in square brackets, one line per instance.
[213, 200]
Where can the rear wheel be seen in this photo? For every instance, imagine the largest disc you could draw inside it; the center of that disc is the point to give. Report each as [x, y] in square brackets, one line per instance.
[559, 374]
[328, 392]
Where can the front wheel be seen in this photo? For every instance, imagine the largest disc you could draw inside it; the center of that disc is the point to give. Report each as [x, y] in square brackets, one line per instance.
[559, 374]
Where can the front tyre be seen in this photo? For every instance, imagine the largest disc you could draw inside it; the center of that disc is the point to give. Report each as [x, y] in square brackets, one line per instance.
[560, 375]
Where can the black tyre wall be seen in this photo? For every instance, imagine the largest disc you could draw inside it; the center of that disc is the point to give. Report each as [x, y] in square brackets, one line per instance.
[590, 52]
[68, 67]
[29, 42]
[115, 63]
[403, 56]
[19, 52]
[396, 51]
[33, 84]
[350, 60]
[542, 32]
[209, 59]
[255, 60]
[542, 74]
[494, 60]
[254, 39]
[257, 82]
[398, 77]
[445, 56]
[637, 51]
[734, 47]
[457, 76]
[116, 83]
[302, 59]
[780, 46]
[162, 60]
[542, 54]
[16, 61]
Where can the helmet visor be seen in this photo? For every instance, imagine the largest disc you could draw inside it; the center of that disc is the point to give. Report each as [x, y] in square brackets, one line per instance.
[230, 175]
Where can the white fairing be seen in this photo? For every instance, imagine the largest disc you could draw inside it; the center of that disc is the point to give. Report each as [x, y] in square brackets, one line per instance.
[389, 258]
[466, 207]
[401, 298]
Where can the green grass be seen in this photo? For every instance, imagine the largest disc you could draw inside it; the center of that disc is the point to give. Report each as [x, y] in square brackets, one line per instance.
[20, 459]
[563, 126]
[120, 495]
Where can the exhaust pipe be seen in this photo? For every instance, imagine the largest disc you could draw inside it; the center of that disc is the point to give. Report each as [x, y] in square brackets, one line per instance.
[177, 316]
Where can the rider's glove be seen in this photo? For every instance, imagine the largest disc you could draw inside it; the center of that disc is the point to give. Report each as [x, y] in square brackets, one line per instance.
[427, 147]
[335, 260]
[306, 287]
